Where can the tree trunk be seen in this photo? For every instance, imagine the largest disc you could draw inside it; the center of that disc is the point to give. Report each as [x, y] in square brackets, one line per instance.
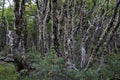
[55, 28]
[19, 35]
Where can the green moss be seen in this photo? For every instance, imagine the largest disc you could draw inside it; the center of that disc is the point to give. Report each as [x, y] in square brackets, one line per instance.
[7, 72]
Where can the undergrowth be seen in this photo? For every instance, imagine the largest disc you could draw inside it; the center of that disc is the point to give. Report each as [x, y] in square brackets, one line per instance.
[7, 72]
[51, 67]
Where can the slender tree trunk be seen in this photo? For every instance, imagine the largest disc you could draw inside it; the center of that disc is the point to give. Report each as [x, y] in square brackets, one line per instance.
[68, 37]
[109, 31]
[42, 11]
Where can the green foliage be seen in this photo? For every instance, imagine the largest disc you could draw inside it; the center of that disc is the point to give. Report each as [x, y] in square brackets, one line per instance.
[47, 67]
[89, 4]
[9, 17]
[1, 3]
[30, 12]
[7, 73]
[51, 67]
[112, 67]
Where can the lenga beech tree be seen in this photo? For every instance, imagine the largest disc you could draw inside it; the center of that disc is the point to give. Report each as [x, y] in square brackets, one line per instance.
[19, 35]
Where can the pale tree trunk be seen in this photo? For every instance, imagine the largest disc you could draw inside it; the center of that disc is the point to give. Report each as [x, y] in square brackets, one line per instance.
[40, 27]
[42, 12]
[69, 38]
[101, 62]
[85, 35]
[62, 27]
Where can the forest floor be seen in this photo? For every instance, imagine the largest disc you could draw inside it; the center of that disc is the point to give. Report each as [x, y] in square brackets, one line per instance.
[7, 71]
[110, 70]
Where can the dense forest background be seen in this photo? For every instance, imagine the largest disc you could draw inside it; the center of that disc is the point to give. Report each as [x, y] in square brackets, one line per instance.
[60, 40]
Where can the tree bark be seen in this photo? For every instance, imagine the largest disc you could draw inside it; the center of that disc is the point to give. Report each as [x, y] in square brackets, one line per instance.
[55, 28]
[19, 35]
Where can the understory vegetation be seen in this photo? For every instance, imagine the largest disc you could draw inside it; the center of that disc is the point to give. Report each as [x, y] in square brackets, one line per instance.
[51, 67]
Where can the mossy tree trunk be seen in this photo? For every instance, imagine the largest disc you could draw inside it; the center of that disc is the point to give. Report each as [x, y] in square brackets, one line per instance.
[19, 35]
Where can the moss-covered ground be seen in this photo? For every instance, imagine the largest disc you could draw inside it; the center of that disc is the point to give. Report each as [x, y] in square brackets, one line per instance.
[7, 72]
